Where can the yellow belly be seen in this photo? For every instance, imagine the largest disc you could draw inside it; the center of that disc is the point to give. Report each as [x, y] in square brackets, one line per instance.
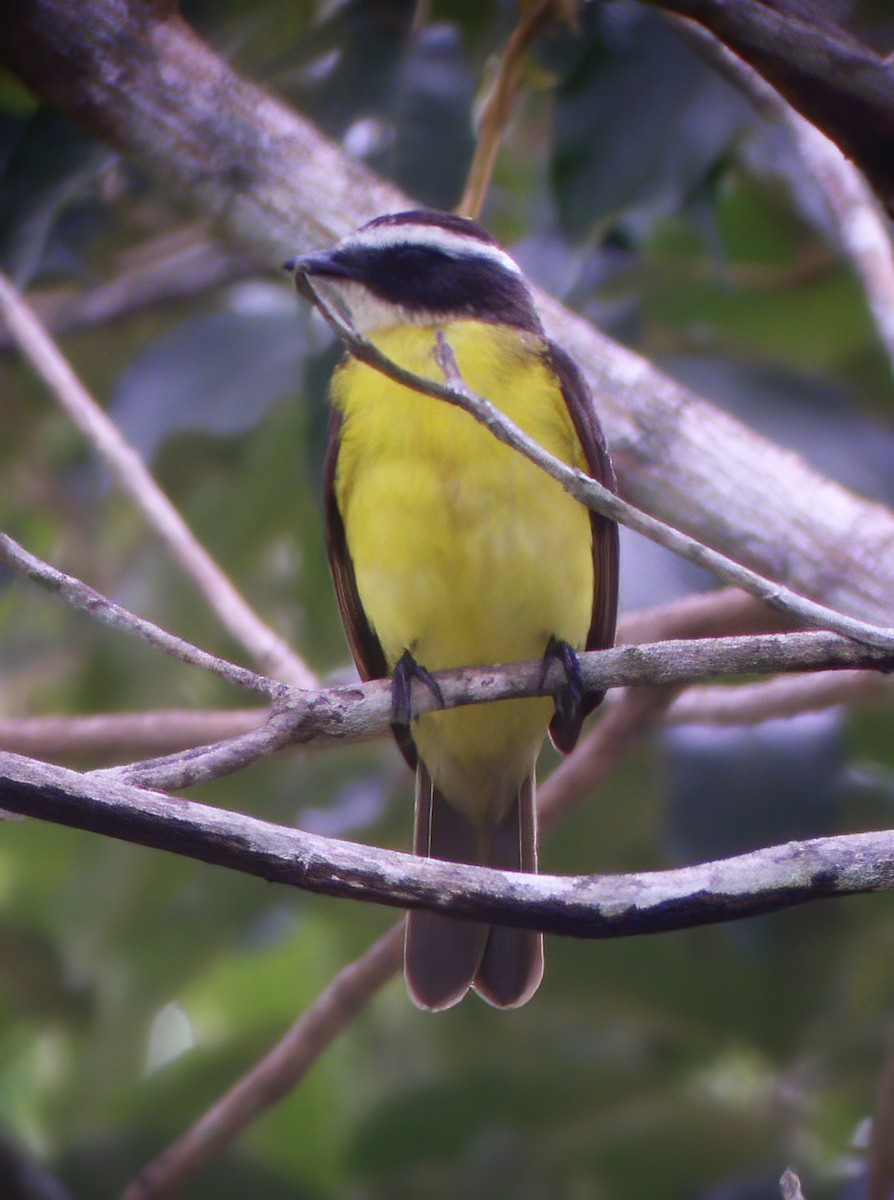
[464, 552]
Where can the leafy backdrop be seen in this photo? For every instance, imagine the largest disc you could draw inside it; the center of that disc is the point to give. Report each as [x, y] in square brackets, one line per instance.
[643, 189]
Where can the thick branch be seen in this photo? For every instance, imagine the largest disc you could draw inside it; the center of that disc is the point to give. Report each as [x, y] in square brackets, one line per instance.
[160, 95]
[589, 906]
[840, 85]
[859, 221]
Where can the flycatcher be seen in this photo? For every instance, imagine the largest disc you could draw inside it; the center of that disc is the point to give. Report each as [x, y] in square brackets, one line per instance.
[450, 549]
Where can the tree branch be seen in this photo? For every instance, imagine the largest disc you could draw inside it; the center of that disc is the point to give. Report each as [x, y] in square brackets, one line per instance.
[587, 906]
[749, 704]
[135, 481]
[854, 210]
[356, 711]
[79, 595]
[585, 489]
[302, 716]
[839, 84]
[124, 735]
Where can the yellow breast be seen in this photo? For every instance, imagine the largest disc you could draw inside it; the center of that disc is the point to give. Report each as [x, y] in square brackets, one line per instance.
[464, 552]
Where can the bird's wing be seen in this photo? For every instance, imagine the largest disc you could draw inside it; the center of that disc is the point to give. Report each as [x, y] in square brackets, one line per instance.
[601, 633]
[362, 640]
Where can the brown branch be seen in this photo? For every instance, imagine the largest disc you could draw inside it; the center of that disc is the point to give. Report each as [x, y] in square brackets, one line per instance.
[276, 1073]
[749, 704]
[498, 106]
[124, 735]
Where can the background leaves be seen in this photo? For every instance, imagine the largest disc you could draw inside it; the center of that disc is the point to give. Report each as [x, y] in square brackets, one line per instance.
[135, 987]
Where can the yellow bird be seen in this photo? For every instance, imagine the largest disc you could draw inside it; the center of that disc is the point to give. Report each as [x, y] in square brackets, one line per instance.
[449, 549]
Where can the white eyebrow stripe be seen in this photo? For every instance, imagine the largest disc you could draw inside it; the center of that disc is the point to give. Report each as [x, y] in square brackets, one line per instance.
[457, 245]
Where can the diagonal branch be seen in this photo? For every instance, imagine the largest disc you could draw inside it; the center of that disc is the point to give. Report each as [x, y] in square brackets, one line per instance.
[856, 214]
[134, 479]
[101, 608]
[839, 84]
[585, 489]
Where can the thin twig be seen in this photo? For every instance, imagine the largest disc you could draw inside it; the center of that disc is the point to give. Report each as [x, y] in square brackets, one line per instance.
[364, 710]
[168, 731]
[101, 608]
[124, 735]
[588, 491]
[268, 650]
[836, 81]
[790, 1185]
[500, 102]
[165, 732]
[303, 716]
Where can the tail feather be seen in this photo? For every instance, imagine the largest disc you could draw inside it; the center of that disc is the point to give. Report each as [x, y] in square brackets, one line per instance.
[443, 956]
[512, 966]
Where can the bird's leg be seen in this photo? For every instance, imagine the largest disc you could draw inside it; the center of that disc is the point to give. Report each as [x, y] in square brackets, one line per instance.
[406, 669]
[569, 698]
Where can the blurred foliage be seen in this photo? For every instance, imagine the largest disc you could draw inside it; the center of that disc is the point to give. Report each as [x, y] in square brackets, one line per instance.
[135, 987]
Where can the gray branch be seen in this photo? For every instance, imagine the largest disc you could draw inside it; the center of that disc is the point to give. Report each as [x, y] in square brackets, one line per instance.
[586, 906]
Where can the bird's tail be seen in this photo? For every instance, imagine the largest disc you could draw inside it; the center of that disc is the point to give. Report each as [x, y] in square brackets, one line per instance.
[443, 956]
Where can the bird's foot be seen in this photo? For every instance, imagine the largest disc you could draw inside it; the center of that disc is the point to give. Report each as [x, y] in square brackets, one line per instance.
[406, 670]
[569, 699]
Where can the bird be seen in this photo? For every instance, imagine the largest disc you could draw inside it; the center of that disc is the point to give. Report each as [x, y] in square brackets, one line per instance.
[449, 549]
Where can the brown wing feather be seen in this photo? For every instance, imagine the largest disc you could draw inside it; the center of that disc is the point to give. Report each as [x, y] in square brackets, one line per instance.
[364, 645]
[601, 633]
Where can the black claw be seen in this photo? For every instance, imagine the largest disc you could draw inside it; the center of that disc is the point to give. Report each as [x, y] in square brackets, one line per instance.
[572, 700]
[407, 669]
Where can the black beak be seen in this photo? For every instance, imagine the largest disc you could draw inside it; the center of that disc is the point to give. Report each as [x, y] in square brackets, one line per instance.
[320, 262]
